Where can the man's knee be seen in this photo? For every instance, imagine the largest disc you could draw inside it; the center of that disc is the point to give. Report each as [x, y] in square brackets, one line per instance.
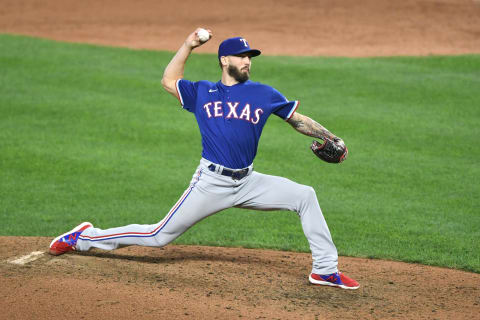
[162, 239]
[308, 193]
[304, 196]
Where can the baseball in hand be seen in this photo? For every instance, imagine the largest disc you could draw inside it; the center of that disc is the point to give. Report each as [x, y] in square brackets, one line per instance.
[203, 35]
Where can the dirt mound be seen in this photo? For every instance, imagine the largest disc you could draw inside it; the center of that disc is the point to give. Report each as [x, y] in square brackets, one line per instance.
[191, 282]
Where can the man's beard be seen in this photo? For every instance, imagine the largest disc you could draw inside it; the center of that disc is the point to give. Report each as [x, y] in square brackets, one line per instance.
[236, 74]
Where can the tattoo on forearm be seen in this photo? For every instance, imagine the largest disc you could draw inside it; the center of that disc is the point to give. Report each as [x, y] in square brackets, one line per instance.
[310, 128]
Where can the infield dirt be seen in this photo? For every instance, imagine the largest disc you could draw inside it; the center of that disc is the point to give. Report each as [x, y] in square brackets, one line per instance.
[190, 282]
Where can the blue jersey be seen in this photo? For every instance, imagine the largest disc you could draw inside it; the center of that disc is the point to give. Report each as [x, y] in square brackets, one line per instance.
[231, 118]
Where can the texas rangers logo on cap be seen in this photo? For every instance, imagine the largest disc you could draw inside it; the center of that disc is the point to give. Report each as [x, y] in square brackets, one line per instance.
[234, 46]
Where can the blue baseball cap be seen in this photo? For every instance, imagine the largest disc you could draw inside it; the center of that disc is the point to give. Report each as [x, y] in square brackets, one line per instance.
[234, 46]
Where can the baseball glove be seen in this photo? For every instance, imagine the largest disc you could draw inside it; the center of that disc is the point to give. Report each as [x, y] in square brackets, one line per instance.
[332, 151]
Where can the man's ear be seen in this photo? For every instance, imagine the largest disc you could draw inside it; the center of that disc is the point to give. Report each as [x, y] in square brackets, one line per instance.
[224, 60]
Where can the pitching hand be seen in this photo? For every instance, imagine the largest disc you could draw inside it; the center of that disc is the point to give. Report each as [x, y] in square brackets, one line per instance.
[193, 40]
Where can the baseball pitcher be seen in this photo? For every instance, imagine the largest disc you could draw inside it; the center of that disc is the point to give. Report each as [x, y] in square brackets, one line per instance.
[231, 114]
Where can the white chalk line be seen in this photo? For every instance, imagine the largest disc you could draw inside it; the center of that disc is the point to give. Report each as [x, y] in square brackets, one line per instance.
[27, 258]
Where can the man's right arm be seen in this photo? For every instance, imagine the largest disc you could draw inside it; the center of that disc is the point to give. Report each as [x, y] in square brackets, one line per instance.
[174, 70]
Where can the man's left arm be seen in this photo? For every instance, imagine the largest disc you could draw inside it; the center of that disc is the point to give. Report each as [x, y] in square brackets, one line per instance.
[310, 127]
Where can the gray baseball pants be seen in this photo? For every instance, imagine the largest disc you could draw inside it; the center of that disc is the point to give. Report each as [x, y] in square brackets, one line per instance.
[208, 193]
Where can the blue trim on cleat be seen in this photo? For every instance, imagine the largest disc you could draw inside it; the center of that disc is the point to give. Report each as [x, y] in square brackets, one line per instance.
[67, 241]
[333, 280]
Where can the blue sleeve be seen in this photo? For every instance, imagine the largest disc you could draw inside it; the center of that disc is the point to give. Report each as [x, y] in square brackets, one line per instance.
[281, 106]
[187, 92]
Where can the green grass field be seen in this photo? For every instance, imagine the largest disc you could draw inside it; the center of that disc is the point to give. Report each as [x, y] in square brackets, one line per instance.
[88, 134]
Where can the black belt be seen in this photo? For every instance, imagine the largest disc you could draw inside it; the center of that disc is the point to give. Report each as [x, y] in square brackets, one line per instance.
[235, 174]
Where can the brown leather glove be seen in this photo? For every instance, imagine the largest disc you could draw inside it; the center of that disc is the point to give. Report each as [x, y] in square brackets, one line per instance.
[332, 151]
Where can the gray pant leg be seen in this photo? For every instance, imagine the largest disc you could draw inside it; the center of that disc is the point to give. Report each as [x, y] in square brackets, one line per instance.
[204, 197]
[265, 192]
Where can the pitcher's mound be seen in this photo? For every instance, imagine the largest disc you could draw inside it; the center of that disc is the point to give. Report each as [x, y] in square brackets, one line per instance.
[192, 282]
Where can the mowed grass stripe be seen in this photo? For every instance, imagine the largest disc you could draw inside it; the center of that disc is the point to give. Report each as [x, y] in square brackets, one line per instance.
[87, 134]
